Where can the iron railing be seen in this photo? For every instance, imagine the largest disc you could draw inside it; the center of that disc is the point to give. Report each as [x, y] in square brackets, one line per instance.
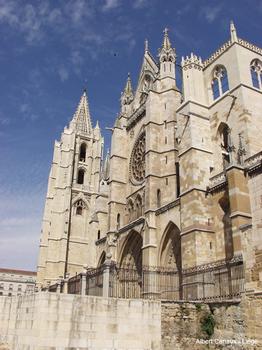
[74, 285]
[220, 280]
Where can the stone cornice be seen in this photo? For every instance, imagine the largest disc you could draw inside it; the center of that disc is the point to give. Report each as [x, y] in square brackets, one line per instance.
[167, 207]
[197, 227]
[217, 182]
[136, 116]
[253, 164]
[132, 224]
[100, 241]
[196, 149]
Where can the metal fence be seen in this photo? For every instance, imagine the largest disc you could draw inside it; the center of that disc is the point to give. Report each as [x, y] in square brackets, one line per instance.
[220, 280]
[74, 284]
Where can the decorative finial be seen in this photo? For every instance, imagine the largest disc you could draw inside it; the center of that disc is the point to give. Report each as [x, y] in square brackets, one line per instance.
[165, 31]
[233, 32]
[146, 45]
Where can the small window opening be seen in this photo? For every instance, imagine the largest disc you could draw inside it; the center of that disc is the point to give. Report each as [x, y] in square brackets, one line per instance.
[79, 207]
[118, 221]
[82, 156]
[158, 195]
[81, 176]
[98, 234]
[177, 179]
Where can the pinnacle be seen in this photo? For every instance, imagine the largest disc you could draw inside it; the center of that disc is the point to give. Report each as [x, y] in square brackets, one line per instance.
[166, 42]
[233, 32]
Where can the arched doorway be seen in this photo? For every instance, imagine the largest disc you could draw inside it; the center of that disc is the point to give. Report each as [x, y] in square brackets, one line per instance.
[129, 272]
[170, 283]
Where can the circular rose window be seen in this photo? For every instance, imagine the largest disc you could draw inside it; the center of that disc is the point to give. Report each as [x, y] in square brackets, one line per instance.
[138, 159]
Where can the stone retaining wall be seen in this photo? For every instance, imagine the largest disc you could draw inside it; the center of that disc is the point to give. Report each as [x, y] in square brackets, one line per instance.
[238, 323]
[50, 321]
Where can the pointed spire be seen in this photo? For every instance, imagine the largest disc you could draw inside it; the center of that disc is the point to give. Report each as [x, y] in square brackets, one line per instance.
[166, 42]
[233, 32]
[82, 119]
[127, 96]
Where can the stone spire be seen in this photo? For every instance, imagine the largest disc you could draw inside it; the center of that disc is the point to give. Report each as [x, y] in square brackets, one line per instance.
[82, 120]
[127, 96]
[233, 32]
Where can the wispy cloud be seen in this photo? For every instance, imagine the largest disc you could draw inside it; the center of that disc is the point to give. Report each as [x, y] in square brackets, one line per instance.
[110, 4]
[210, 13]
[138, 4]
[63, 73]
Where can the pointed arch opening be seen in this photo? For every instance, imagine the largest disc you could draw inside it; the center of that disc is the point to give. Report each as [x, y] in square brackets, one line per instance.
[225, 143]
[81, 176]
[82, 154]
[170, 260]
[130, 267]
[256, 73]
[102, 259]
[219, 82]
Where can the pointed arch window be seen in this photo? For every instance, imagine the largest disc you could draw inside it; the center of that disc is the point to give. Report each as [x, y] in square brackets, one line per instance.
[226, 147]
[220, 82]
[81, 176]
[256, 73]
[79, 207]
[82, 155]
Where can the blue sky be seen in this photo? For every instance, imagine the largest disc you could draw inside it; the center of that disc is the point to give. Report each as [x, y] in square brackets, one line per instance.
[50, 51]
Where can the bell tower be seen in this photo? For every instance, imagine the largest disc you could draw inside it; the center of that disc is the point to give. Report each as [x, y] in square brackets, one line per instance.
[70, 202]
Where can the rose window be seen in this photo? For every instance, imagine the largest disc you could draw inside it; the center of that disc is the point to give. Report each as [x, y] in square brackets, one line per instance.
[138, 159]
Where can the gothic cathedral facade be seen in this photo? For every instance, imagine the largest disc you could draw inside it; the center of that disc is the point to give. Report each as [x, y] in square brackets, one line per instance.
[182, 184]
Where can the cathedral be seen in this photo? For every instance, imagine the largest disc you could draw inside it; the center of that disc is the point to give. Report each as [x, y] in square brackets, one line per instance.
[181, 186]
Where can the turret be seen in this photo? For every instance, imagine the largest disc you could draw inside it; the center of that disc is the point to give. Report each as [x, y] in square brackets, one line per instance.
[193, 79]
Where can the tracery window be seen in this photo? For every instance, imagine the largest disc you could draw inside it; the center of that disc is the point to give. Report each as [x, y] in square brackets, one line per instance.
[256, 73]
[79, 207]
[138, 206]
[219, 82]
[130, 208]
[138, 159]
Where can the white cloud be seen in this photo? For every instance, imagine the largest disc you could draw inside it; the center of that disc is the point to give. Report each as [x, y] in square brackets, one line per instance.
[63, 73]
[138, 4]
[110, 4]
[210, 13]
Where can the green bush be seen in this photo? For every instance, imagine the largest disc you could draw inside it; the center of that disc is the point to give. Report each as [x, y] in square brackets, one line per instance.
[208, 325]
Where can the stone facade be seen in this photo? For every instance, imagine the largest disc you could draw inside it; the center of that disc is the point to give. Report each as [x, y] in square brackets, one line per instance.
[16, 282]
[182, 183]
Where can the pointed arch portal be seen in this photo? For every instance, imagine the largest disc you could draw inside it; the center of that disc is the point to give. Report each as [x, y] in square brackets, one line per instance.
[171, 262]
[129, 273]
